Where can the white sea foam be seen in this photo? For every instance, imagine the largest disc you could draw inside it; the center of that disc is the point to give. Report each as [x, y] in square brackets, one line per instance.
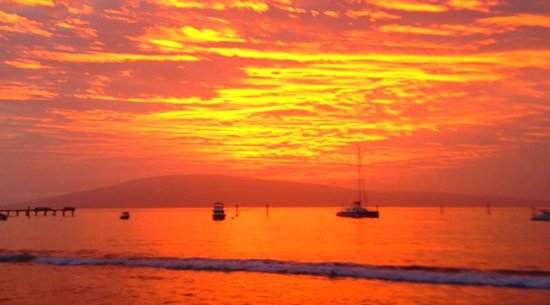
[412, 274]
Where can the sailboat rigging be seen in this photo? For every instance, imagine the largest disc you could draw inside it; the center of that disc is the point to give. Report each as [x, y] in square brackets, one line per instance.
[356, 210]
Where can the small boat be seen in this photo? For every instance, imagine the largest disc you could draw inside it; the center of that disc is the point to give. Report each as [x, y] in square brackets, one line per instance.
[541, 215]
[3, 217]
[218, 213]
[356, 210]
[125, 215]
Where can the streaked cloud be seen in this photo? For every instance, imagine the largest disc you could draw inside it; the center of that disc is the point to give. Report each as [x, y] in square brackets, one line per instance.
[474, 5]
[14, 23]
[518, 20]
[25, 64]
[31, 2]
[103, 57]
[411, 5]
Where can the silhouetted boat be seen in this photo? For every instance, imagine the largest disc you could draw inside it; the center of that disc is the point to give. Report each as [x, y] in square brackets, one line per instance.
[125, 215]
[3, 217]
[542, 215]
[218, 213]
[356, 210]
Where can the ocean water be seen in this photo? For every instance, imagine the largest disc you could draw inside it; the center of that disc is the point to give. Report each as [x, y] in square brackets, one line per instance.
[291, 256]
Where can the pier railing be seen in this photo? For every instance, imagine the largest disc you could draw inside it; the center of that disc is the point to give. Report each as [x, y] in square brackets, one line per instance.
[38, 211]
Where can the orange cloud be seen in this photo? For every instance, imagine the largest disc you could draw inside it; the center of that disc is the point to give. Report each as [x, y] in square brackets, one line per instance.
[18, 24]
[331, 14]
[185, 4]
[25, 64]
[474, 5]
[410, 5]
[257, 6]
[20, 92]
[518, 20]
[371, 14]
[440, 30]
[30, 2]
[225, 35]
[105, 57]
[168, 39]
[79, 26]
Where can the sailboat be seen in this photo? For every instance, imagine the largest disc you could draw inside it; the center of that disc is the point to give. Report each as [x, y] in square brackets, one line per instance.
[356, 210]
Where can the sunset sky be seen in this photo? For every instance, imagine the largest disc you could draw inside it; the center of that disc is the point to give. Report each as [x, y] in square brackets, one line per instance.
[445, 96]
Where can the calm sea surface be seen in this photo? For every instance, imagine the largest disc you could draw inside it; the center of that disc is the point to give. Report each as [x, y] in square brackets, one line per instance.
[292, 256]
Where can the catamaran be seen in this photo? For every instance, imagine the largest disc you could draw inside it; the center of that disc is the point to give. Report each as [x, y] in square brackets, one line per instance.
[356, 210]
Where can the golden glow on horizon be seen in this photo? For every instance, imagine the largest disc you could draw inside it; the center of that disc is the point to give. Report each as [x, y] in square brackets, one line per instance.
[275, 88]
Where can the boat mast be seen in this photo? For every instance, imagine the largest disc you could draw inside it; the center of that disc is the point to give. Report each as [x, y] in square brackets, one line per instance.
[359, 182]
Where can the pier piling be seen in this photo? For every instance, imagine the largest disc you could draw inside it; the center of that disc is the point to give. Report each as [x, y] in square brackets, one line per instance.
[43, 210]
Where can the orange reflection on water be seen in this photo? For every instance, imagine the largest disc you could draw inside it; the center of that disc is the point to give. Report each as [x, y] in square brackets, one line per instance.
[460, 237]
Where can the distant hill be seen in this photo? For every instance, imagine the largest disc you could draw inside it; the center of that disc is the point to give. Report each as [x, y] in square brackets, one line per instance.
[203, 190]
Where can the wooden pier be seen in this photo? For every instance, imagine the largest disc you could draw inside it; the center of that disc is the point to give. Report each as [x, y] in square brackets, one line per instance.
[37, 211]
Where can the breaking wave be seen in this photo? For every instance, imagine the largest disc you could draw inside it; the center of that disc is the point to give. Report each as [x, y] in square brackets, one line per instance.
[411, 274]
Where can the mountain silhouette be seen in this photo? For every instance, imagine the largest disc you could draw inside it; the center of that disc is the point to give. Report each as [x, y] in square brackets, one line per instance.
[203, 190]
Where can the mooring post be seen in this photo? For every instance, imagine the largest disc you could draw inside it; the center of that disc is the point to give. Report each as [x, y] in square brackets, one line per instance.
[489, 209]
[237, 208]
[267, 210]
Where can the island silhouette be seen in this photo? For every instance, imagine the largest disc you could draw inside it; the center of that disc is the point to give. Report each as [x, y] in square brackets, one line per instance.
[203, 190]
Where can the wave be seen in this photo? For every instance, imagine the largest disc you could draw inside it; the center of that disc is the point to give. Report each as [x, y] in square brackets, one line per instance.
[411, 274]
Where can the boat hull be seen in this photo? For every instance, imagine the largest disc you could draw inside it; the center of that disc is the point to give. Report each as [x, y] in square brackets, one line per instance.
[218, 217]
[541, 215]
[358, 214]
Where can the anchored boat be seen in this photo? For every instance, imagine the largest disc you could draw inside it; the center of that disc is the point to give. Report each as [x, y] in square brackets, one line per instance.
[125, 215]
[356, 210]
[218, 212]
[541, 215]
